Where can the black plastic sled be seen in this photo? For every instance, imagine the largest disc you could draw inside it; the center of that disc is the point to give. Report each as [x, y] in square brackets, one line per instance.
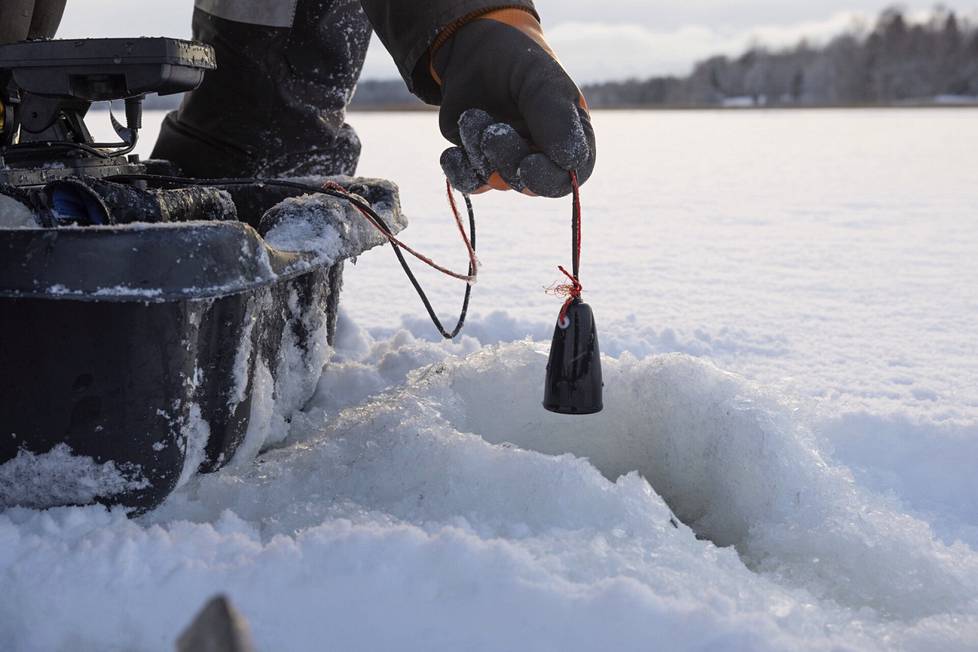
[148, 330]
[139, 351]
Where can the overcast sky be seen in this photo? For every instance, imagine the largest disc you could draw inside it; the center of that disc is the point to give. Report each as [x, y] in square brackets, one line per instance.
[596, 40]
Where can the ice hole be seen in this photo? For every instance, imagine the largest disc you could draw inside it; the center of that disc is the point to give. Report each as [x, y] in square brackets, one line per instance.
[734, 465]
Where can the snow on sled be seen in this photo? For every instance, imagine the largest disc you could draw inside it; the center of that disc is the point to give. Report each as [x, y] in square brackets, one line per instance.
[149, 328]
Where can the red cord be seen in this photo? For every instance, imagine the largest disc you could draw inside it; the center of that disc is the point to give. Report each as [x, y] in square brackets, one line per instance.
[573, 289]
[473, 261]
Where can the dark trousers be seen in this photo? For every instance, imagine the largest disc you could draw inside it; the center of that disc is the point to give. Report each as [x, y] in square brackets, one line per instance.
[24, 19]
[276, 104]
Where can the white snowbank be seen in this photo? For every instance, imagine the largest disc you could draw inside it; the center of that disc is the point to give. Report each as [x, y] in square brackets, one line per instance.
[811, 252]
[451, 511]
[929, 467]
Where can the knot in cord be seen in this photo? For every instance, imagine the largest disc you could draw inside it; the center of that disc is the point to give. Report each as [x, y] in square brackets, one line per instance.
[570, 290]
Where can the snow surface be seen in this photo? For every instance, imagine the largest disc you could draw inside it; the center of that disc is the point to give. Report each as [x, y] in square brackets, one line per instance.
[786, 460]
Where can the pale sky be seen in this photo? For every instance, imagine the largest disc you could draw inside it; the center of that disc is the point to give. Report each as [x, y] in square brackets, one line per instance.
[596, 40]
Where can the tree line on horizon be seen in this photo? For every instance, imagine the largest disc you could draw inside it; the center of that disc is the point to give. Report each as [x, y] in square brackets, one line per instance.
[893, 61]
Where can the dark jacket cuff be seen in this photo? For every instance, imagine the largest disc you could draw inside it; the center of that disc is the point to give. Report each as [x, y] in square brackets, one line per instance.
[409, 27]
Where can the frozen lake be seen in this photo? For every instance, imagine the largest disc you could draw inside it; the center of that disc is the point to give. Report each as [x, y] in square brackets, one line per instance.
[787, 301]
[828, 256]
[830, 253]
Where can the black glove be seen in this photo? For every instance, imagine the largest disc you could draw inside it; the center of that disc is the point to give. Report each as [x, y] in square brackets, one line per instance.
[518, 119]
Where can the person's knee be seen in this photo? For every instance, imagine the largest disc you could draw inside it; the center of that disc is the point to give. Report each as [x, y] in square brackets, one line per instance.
[47, 18]
[24, 19]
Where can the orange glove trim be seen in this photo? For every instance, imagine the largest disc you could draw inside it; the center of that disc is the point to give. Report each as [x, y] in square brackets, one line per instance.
[529, 25]
[523, 21]
[520, 18]
[450, 30]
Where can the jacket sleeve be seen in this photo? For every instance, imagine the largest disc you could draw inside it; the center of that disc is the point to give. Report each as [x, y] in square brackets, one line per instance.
[409, 27]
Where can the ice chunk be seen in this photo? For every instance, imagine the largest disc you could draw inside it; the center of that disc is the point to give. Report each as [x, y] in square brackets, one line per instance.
[59, 477]
[15, 215]
[329, 226]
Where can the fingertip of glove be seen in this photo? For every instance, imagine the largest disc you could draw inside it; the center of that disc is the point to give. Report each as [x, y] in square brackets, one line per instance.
[574, 150]
[471, 125]
[543, 177]
[505, 149]
[476, 119]
[502, 143]
[459, 171]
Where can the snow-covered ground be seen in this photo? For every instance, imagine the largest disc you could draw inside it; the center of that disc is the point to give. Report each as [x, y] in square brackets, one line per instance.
[787, 457]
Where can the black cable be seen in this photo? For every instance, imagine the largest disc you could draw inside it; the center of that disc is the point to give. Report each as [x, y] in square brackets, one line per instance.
[57, 144]
[424, 297]
[362, 204]
[95, 149]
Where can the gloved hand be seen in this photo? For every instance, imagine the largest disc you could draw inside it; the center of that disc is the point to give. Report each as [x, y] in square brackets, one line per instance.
[518, 120]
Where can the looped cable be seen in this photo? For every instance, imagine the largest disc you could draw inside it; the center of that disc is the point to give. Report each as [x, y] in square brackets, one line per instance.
[397, 245]
[370, 216]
